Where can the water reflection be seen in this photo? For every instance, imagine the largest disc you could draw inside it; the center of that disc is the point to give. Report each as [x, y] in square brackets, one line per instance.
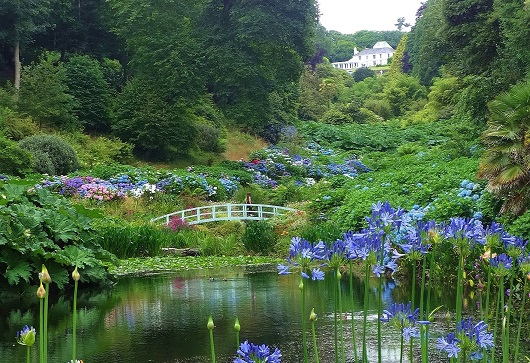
[163, 318]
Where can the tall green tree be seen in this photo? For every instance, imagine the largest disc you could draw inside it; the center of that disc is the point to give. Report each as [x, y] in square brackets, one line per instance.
[86, 83]
[158, 129]
[165, 58]
[44, 94]
[426, 45]
[254, 54]
[506, 161]
[20, 20]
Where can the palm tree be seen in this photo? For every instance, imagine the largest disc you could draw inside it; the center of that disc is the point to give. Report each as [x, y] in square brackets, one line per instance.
[506, 161]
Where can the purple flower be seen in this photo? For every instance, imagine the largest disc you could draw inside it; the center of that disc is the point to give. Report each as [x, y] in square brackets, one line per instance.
[252, 353]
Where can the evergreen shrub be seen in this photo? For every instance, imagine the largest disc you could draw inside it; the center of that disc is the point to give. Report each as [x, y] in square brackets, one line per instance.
[52, 154]
[13, 159]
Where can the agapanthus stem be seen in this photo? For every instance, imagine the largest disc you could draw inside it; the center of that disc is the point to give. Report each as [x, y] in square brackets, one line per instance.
[379, 314]
[365, 316]
[41, 328]
[488, 289]
[413, 299]
[45, 331]
[352, 314]
[304, 333]
[497, 307]
[423, 336]
[335, 325]
[314, 341]
[339, 295]
[210, 327]
[28, 354]
[459, 288]
[74, 324]
[401, 350]
[506, 336]
[516, 355]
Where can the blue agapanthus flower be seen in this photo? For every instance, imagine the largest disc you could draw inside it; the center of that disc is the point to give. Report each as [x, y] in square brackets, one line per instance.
[469, 339]
[403, 319]
[252, 353]
[305, 257]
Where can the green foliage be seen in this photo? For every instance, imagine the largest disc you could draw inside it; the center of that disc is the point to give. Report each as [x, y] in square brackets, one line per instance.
[113, 74]
[396, 66]
[209, 138]
[328, 231]
[38, 227]
[520, 226]
[17, 127]
[426, 179]
[86, 83]
[99, 150]
[361, 74]
[401, 92]
[259, 237]
[13, 159]
[134, 239]
[44, 95]
[52, 154]
[155, 127]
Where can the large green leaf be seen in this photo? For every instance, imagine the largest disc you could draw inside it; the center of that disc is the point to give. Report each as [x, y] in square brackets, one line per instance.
[21, 270]
[60, 227]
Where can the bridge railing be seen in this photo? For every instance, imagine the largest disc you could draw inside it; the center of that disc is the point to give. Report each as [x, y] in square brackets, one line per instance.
[225, 212]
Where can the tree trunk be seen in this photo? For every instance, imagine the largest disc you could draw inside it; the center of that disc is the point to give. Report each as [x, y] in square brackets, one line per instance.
[18, 66]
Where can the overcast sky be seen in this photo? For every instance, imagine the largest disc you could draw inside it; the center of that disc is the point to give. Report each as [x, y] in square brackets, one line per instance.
[349, 16]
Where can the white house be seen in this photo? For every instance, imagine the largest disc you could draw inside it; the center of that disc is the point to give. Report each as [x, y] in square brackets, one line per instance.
[369, 57]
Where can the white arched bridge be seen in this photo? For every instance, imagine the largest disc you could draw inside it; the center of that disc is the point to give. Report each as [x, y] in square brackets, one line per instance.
[226, 212]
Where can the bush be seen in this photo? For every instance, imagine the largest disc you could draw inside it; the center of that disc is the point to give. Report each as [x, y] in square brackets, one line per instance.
[93, 151]
[16, 127]
[209, 138]
[52, 154]
[259, 237]
[13, 159]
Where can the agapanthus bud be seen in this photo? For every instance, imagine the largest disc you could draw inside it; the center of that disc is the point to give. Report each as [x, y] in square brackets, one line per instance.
[313, 315]
[26, 336]
[237, 327]
[339, 275]
[210, 324]
[75, 274]
[41, 292]
[301, 285]
[45, 276]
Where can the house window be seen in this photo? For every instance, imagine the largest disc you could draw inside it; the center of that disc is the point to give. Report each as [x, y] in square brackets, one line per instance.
[374, 56]
[380, 55]
[359, 57]
[375, 63]
[366, 57]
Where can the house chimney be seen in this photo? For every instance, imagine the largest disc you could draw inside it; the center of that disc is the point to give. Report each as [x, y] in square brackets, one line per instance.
[355, 51]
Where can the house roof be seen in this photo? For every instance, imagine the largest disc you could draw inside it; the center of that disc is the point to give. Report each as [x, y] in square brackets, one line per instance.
[379, 47]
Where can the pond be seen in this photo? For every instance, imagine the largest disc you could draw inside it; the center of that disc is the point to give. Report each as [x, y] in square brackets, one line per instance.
[163, 318]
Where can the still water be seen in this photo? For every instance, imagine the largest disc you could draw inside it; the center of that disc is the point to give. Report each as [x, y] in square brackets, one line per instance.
[163, 318]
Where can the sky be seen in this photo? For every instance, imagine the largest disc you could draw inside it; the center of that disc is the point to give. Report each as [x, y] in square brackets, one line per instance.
[350, 16]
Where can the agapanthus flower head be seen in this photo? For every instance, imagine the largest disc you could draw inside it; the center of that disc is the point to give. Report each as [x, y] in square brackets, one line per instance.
[404, 319]
[304, 257]
[385, 217]
[501, 264]
[469, 339]
[26, 336]
[413, 246]
[252, 353]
